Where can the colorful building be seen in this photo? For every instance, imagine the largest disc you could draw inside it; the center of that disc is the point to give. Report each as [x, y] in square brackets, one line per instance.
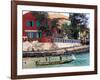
[31, 26]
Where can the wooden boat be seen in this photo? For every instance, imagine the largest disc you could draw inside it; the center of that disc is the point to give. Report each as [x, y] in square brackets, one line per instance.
[67, 59]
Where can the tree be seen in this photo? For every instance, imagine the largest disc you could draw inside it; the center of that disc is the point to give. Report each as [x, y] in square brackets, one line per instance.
[41, 16]
[54, 23]
[79, 21]
[66, 29]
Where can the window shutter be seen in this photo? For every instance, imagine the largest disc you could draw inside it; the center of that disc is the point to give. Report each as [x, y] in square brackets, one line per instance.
[39, 35]
[28, 34]
[32, 23]
[38, 24]
[32, 35]
[28, 23]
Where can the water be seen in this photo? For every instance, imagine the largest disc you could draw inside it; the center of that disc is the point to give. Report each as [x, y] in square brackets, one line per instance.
[82, 59]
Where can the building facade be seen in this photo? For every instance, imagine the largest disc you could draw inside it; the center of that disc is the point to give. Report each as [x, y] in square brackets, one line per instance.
[32, 25]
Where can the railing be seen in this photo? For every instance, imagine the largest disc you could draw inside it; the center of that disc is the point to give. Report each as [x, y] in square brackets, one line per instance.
[66, 40]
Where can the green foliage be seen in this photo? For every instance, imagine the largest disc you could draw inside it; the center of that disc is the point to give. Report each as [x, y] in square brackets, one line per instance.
[54, 23]
[79, 21]
[43, 26]
[40, 15]
[67, 30]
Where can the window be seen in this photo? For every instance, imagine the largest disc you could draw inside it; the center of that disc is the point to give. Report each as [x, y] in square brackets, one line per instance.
[38, 23]
[30, 34]
[30, 23]
[39, 34]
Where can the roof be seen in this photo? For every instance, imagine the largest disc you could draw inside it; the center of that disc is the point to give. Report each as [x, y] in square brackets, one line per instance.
[57, 15]
[52, 15]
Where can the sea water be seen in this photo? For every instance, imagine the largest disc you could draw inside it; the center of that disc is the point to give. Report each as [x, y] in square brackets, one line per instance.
[82, 59]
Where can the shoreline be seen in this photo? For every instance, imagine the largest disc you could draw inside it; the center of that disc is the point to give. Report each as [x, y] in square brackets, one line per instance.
[57, 52]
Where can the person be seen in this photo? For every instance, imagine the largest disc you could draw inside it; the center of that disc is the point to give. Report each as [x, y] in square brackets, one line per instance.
[46, 59]
[60, 58]
[36, 62]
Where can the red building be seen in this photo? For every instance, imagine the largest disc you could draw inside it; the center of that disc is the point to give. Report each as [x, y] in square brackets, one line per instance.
[31, 27]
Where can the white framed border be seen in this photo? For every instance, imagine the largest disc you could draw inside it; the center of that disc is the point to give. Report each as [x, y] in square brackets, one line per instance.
[21, 71]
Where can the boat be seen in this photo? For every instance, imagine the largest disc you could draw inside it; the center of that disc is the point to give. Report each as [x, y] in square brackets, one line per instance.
[61, 60]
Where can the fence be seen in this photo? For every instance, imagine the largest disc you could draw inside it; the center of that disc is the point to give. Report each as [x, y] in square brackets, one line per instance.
[66, 40]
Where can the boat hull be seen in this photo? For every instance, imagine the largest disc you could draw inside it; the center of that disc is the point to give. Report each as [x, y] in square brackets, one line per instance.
[61, 60]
